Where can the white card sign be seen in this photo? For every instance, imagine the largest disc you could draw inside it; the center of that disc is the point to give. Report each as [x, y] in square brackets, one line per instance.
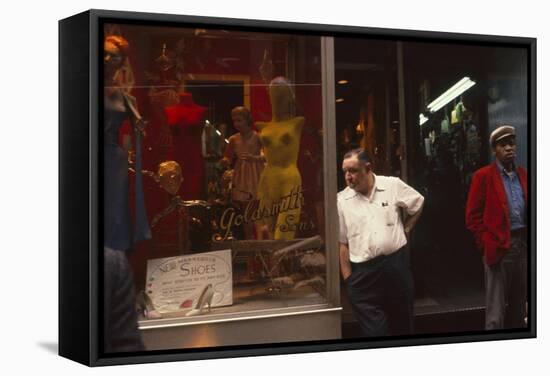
[176, 283]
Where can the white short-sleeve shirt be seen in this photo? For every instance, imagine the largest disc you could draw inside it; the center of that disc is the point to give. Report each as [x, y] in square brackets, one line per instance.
[372, 226]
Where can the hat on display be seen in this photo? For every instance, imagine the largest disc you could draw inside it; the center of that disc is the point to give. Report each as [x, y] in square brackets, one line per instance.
[500, 133]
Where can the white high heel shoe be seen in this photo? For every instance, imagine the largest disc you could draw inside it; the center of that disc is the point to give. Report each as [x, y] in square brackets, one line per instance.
[205, 298]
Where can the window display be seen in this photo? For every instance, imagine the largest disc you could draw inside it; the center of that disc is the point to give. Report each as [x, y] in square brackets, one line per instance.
[229, 147]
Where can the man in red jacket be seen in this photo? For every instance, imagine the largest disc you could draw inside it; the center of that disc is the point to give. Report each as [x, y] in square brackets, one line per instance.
[496, 215]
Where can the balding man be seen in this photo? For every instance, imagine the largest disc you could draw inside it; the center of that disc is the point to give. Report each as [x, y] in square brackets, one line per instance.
[374, 260]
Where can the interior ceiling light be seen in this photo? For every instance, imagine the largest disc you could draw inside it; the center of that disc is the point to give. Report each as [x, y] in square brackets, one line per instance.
[343, 82]
[453, 92]
[339, 100]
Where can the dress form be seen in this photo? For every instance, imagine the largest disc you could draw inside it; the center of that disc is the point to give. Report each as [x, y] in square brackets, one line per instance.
[186, 121]
[281, 178]
[163, 92]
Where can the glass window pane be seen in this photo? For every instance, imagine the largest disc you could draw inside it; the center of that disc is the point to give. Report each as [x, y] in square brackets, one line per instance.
[213, 168]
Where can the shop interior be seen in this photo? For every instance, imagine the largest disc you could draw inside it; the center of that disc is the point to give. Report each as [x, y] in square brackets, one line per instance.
[435, 152]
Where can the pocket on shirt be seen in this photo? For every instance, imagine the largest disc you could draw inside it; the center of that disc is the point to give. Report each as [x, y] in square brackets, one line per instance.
[392, 215]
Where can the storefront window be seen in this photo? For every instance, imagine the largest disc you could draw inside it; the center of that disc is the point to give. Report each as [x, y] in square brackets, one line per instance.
[213, 168]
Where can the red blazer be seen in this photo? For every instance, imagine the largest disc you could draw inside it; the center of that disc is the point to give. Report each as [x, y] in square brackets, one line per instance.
[487, 213]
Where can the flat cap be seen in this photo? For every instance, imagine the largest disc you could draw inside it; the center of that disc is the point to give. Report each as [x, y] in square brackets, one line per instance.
[500, 133]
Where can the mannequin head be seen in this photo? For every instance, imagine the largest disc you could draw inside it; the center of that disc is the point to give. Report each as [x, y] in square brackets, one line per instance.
[242, 119]
[117, 69]
[170, 177]
[282, 99]
[115, 53]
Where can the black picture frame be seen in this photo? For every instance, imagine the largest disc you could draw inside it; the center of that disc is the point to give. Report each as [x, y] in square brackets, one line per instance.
[80, 274]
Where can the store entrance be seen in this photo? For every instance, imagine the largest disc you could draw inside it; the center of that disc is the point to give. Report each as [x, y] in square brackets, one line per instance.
[381, 88]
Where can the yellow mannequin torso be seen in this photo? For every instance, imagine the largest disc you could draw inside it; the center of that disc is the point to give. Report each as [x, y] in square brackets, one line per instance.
[281, 177]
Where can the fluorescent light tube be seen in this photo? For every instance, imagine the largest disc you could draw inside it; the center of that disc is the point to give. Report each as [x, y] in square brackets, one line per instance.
[455, 90]
[422, 119]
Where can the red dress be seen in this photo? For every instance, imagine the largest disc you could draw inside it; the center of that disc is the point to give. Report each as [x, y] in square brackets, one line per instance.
[186, 120]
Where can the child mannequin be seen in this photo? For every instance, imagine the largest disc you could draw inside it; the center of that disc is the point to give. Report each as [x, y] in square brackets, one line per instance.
[246, 149]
